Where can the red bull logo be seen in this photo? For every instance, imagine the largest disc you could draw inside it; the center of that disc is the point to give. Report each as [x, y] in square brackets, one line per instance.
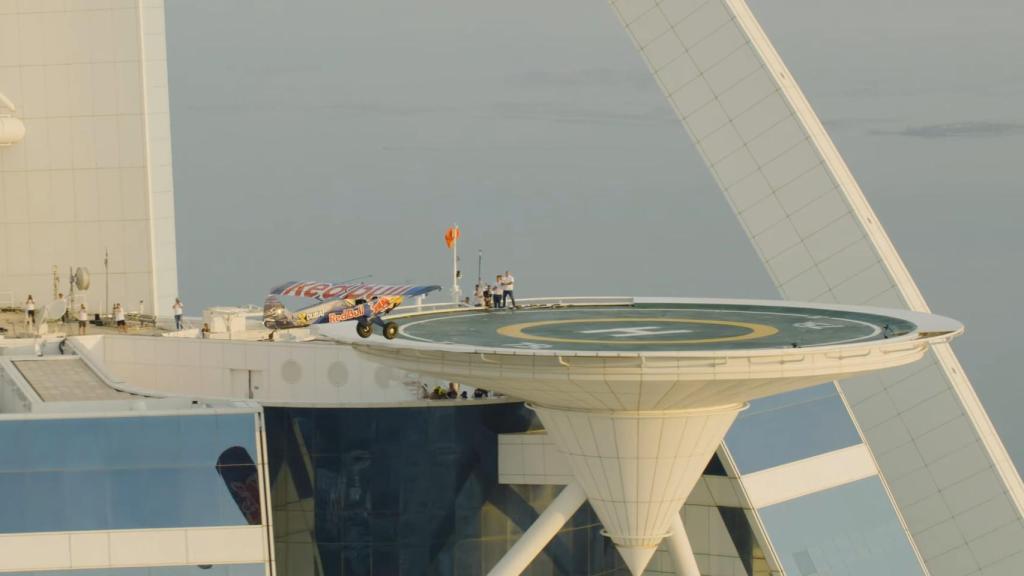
[345, 315]
[378, 306]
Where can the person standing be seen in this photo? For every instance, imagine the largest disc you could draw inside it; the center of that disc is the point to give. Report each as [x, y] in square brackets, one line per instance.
[509, 284]
[119, 318]
[30, 311]
[179, 310]
[67, 313]
[83, 319]
[478, 296]
[498, 292]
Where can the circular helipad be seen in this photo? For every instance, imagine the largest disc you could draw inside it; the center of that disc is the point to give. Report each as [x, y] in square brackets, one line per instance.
[653, 327]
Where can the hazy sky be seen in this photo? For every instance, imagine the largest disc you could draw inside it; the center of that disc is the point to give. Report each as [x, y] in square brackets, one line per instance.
[327, 139]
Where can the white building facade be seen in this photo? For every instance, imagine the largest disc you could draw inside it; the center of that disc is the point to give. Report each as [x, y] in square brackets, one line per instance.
[91, 178]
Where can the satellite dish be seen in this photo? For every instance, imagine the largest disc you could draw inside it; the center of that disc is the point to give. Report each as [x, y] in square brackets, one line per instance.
[54, 310]
[82, 279]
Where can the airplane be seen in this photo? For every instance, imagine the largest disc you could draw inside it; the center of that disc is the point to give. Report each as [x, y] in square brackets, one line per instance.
[339, 302]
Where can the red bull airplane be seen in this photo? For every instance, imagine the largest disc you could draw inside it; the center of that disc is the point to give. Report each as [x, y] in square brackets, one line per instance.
[364, 303]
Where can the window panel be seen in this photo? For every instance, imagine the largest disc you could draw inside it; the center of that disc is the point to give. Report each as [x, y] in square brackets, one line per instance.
[127, 473]
[850, 530]
[374, 498]
[791, 426]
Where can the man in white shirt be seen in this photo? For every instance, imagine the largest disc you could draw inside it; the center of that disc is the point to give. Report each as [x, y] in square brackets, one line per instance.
[119, 318]
[83, 319]
[508, 283]
[178, 309]
[30, 311]
[497, 292]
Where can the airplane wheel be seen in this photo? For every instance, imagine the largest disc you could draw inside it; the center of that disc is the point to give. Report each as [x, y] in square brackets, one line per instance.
[390, 330]
[364, 329]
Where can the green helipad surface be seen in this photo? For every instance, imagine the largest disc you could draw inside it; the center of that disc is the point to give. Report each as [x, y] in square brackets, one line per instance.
[653, 327]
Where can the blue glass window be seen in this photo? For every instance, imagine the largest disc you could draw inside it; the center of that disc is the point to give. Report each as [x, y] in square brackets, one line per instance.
[412, 491]
[850, 530]
[792, 426]
[127, 473]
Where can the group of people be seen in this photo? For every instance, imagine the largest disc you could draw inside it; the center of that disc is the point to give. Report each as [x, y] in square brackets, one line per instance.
[453, 393]
[496, 295]
[82, 314]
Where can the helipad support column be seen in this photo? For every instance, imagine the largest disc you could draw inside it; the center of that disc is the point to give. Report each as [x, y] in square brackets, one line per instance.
[540, 532]
[637, 468]
[679, 548]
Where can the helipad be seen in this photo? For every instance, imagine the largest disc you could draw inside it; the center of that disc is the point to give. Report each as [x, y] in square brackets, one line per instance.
[638, 393]
[654, 327]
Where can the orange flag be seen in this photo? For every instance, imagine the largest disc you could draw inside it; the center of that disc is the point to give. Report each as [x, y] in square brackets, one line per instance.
[451, 236]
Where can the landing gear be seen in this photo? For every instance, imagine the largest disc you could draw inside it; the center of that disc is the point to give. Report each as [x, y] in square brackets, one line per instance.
[364, 329]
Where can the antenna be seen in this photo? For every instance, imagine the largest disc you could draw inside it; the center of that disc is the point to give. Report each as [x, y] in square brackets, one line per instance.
[106, 283]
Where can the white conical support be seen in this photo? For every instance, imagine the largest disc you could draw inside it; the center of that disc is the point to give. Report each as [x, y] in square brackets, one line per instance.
[636, 557]
[637, 468]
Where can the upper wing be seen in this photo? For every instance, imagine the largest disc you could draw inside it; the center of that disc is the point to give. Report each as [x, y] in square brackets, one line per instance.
[419, 290]
[329, 291]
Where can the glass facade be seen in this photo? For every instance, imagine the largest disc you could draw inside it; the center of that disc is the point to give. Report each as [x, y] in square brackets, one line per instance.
[850, 530]
[411, 491]
[128, 473]
[217, 570]
[792, 426]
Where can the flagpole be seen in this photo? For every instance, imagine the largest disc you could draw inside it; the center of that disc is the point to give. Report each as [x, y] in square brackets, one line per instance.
[455, 268]
[106, 282]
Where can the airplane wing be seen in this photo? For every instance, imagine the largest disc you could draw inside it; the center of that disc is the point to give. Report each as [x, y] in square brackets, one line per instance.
[331, 291]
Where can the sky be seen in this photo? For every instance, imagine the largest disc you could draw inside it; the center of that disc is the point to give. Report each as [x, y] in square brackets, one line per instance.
[329, 139]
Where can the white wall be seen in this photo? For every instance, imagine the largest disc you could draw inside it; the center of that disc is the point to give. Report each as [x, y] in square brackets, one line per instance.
[93, 172]
[133, 548]
[282, 372]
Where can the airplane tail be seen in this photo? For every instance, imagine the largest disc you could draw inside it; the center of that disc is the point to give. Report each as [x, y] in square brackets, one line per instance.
[275, 315]
[239, 474]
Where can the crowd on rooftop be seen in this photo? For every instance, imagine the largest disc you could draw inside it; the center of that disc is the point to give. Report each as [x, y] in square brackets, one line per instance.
[81, 314]
[496, 295]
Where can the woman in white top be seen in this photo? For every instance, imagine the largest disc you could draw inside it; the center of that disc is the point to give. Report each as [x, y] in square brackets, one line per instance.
[30, 311]
[83, 319]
